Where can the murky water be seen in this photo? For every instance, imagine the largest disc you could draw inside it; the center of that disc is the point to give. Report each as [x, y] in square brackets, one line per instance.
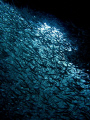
[37, 82]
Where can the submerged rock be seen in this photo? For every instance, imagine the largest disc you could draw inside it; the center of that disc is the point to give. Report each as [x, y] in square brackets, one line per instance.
[36, 80]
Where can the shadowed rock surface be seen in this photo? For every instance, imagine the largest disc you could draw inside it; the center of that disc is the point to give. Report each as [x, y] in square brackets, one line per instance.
[38, 77]
[75, 16]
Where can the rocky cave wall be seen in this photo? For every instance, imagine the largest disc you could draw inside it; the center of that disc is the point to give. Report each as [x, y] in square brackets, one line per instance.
[37, 82]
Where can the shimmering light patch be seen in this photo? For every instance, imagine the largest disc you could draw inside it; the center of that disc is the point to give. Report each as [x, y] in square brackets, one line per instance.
[45, 27]
[55, 30]
[54, 35]
[69, 49]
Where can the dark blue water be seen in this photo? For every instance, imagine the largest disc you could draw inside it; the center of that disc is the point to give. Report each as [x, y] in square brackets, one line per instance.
[37, 79]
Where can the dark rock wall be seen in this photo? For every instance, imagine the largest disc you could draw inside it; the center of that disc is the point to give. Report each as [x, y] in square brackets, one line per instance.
[75, 15]
[37, 81]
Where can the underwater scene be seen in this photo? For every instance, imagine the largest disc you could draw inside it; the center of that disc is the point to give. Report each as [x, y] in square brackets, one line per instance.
[39, 79]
